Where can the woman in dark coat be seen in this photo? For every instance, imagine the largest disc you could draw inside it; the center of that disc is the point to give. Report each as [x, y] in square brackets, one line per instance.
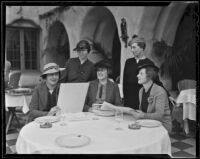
[130, 82]
[45, 95]
[102, 89]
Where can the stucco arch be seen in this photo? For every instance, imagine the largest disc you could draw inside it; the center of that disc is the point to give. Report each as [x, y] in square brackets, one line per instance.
[178, 36]
[57, 49]
[168, 22]
[100, 29]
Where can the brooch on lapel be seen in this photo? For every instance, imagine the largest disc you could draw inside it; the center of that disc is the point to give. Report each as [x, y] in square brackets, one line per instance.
[150, 99]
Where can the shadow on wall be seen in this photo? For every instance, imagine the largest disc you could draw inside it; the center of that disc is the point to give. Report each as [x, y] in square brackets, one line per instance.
[174, 62]
[53, 55]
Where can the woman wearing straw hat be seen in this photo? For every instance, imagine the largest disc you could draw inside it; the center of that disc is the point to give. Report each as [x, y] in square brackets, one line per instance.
[154, 103]
[45, 95]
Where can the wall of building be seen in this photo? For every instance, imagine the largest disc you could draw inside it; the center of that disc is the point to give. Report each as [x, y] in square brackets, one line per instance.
[152, 23]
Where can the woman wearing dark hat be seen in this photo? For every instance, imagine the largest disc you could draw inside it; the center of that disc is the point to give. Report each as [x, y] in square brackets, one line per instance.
[45, 95]
[79, 69]
[153, 98]
[130, 83]
[102, 89]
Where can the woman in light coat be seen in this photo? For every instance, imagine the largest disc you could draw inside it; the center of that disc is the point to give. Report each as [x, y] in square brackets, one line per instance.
[154, 103]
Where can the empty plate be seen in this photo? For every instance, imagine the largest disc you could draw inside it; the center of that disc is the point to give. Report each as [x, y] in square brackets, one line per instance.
[149, 123]
[44, 119]
[72, 140]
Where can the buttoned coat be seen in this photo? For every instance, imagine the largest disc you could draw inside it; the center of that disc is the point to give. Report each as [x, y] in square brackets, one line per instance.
[112, 94]
[158, 107]
[38, 104]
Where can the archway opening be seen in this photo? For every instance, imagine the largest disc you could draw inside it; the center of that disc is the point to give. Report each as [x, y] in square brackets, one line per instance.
[100, 29]
[185, 45]
[57, 49]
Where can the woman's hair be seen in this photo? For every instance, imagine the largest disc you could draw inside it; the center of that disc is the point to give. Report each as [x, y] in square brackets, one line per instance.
[140, 41]
[141, 45]
[152, 73]
[103, 64]
[45, 76]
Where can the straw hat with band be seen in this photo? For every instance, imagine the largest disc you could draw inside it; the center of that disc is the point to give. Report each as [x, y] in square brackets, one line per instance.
[82, 45]
[51, 68]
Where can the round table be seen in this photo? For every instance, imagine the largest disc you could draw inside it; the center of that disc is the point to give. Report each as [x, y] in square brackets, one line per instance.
[13, 101]
[105, 139]
[18, 101]
[188, 98]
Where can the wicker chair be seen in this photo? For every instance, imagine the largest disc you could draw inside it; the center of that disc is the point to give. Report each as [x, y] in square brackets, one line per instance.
[14, 79]
[29, 79]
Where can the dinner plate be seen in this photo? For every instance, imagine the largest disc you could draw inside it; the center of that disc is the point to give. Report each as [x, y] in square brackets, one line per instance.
[72, 140]
[18, 94]
[104, 113]
[50, 119]
[20, 91]
[149, 123]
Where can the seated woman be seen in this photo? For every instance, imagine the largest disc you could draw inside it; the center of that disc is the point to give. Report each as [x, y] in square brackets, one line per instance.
[102, 89]
[153, 98]
[45, 95]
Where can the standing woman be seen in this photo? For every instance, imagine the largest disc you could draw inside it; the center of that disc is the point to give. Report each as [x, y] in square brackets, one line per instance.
[130, 82]
[45, 95]
[102, 89]
[79, 69]
[154, 103]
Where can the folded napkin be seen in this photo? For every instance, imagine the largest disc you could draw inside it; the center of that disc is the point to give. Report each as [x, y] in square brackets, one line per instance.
[108, 106]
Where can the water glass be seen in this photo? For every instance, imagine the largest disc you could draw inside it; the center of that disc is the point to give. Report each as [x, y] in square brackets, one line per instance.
[63, 119]
[118, 117]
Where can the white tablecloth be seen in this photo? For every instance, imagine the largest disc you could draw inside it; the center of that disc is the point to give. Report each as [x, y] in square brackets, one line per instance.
[104, 138]
[18, 101]
[188, 98]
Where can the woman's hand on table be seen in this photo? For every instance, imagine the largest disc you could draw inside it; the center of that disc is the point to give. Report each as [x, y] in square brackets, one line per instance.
[95, 106]
[138, 114]
[54, 110]
[90, 110]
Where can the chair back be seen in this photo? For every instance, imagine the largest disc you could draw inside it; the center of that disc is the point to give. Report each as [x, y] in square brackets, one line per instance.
[29, 79]
[186, 84]
[14, 79]
[72, 97]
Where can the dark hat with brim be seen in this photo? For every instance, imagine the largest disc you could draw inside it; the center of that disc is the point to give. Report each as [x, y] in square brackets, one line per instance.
[103, 64]
[147, 65]
[82, 45]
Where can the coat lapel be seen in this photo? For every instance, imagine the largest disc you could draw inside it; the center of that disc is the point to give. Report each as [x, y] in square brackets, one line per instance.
[140, 96]
[151, 105]
[108, 90]
[44, 94]
[151, 95]
[94, 90]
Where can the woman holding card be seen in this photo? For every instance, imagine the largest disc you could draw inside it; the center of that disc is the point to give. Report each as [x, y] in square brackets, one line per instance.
[45, 95]
[102, 89]
[154, 103]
